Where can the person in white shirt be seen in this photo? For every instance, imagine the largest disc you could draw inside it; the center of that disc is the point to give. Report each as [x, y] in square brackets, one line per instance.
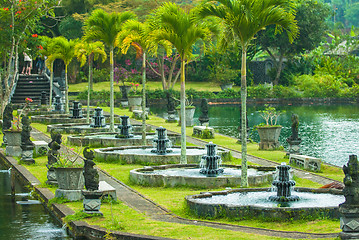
[28, 64]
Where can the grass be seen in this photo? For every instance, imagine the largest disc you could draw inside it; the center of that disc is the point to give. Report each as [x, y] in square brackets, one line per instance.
[199, 86]
[128, 220]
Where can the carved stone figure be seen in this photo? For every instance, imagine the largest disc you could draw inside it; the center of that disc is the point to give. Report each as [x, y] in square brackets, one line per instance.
[54, 145]
[295, 126]
[7, 117]
[204, 119]
[90, 173]
[25, 133]
[351, 181]
[170, 102]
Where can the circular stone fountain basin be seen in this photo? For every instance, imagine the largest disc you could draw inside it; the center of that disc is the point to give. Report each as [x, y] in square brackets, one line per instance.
[188, 175]
[143, 155]
[73, 128]
[64, 118]
[254, 202]
[109, 139]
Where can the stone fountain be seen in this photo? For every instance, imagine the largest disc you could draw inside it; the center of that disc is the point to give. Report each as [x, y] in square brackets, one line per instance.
[98, 120]
[161, 142]
[283, 185]
[307, 203]
[207, 174]
[124, 128]
[161, 153]
[76, 110]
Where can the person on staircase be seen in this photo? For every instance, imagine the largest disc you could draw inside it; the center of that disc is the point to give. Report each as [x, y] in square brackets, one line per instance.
[28, 64]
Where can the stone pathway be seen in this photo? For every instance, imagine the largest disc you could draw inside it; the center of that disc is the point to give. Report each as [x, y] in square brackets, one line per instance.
[137, 201]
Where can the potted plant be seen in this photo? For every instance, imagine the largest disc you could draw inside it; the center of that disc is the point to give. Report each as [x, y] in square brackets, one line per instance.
[269, 131]
[224, 75]
[13, 134]
[69, 175]
[134, 97]
[189, 111]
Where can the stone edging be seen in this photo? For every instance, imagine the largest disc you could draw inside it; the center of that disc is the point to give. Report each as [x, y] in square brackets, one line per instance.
[77, 228]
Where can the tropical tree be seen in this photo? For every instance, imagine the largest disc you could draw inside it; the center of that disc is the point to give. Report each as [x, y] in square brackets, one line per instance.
[137, 34]
[242, 20]
[63, 49]
[180, 29]
[105, 27]
[89, 52]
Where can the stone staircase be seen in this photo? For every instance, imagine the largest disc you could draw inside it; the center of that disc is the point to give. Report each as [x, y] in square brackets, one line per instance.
[30, 87]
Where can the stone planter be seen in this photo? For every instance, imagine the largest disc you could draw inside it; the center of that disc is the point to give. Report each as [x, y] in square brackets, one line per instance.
[226, 86]
[269, 137]
[71, 182]
[13, 141]
[189, 113]
[124, 91]
[134, 102]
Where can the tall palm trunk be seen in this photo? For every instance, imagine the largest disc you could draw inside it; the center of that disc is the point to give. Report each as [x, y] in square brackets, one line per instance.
[112, 117]
[183, 117]
[67, 110]
[244, 179]
[144, 98]
[89, 90]
[51, 83]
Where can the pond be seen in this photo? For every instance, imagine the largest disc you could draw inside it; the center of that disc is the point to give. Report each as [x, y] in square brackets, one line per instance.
[25, 217]
[329, 132]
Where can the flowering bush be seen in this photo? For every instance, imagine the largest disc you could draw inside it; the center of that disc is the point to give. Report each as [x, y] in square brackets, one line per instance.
[15, 123]
[134, 90]
[125, 73]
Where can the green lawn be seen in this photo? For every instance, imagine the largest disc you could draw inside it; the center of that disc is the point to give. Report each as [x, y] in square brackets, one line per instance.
[199, 86]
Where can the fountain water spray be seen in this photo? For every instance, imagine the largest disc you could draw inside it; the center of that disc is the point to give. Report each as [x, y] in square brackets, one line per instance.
[210, 163]
[161, 142]
[283, 185]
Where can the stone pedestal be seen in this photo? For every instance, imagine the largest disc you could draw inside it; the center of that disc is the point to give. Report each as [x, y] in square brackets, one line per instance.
[137, 114]
[13, 143]
[171, 117]
[294, 146]
[40, 148]
[92, 202]
[203, 132]
[27, 155]
[349, 221]
[306, 162]
[124, 104]
[51, 177]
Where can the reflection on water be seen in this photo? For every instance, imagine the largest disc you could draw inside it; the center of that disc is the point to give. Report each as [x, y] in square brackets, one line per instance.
[328, 132]
[24, 218]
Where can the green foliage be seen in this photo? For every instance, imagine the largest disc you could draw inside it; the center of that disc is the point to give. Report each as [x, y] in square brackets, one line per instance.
[101, 75]
[320, 85]
[79, 216]
[70, 28]
[270, 115]
[98, 95]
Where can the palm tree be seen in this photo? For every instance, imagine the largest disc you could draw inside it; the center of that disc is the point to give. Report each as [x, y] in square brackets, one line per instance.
[105, 27]
[181, 29]
[242, 20]
[63, 49]
[90, 52]
[137, 34]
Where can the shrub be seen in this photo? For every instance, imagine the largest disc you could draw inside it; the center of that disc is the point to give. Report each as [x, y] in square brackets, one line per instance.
[228, 93]
[260, 91]
[101, 75]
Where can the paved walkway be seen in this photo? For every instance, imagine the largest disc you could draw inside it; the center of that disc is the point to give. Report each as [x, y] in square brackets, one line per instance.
[137, 201]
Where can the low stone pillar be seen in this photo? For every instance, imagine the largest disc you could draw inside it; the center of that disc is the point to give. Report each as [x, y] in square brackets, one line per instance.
[92, 202]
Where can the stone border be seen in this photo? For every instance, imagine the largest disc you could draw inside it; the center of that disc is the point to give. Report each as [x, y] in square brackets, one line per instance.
[77, 229]
[140, 176]
[78, 140]
[64, 119]
[71, 128]
[107, 155]
[205, 210]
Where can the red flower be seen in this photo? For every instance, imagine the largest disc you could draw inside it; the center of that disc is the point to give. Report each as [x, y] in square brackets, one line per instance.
[28, 100]
[40, 47]
[34, 35]
[11, 26]
[6, 9]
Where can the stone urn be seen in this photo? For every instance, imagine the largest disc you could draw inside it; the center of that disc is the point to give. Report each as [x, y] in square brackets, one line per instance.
[70, 181]
[13, 143]
[124, 91]
[226, 86]
[189, 113]
[269, 136]
[134, 102]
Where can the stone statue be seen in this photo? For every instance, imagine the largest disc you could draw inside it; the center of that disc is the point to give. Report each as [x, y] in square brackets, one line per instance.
[90, 173]
[7, 117]
[295, 125]
[351, 181]
[203, 119]
[54, 145]
[26, 143]
[170, 102]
